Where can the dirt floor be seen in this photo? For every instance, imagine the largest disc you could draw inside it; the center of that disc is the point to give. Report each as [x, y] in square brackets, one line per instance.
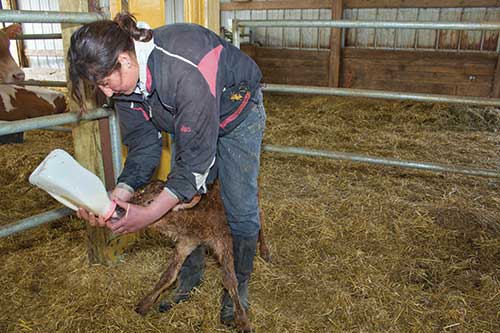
[355, 247]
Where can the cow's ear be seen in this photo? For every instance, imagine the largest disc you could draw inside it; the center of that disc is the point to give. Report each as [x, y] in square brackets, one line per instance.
[13, 30]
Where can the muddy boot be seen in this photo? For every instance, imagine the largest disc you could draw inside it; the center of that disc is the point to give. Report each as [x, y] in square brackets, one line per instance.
[244, 252]
[190, 276]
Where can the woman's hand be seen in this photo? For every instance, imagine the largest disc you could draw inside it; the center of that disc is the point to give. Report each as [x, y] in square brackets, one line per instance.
[135, 218]
[138, 217]
[93, 220]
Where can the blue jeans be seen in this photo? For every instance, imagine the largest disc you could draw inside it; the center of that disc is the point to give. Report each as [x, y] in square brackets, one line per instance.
[237, 167]
[238, 162]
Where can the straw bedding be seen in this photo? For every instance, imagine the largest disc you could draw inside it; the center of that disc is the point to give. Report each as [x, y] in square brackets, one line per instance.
[355, 247]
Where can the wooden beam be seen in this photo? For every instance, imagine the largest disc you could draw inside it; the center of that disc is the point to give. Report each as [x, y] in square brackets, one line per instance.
[88, 150]
[278, 4]
[326, 4]
[335, 46]
[420, 3]
[495, 91]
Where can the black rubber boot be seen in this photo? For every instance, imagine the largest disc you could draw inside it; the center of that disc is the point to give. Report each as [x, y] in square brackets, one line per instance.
[244, 252]
[190, 276]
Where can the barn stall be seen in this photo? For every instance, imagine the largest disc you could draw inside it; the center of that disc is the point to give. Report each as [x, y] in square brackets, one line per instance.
[355, 247]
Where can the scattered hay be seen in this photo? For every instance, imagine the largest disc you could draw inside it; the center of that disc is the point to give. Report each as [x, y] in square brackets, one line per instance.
[355, 247]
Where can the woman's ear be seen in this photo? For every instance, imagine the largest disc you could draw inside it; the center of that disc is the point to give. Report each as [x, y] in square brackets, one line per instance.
[125, 59]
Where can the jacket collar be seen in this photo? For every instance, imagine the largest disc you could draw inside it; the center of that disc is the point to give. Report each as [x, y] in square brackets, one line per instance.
[142, 52]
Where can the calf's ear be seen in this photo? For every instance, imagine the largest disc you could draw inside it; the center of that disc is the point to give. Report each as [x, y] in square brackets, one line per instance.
[13, 30]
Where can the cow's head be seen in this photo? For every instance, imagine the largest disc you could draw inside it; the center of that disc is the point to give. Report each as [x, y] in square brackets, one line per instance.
[9, 70]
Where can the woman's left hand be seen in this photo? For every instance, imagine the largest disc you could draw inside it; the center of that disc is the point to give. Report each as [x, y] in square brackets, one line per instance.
[135, 218]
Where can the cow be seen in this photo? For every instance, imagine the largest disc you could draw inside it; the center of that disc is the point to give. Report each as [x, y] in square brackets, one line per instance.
[17, 102]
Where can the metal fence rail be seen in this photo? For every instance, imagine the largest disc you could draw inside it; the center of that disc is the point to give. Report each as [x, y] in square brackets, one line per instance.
[35, 16]
[34, 221]
[383, 161]
[433, 98]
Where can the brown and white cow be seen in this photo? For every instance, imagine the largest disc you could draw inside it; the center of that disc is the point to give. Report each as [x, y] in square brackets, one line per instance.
[17, 102]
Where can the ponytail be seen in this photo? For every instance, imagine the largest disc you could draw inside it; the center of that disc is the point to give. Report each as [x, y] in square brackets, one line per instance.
[128, 23]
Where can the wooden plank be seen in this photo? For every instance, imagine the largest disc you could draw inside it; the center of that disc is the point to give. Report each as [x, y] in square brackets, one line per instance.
[318, 4]
[405, 38]
[309, 36]
[292, 35]
[335, 46]
[495, 90]
[449, 39]
[263, 5]
[490, 41]
[384, 72]
[488, 68]
[275, 35]
[385, 37]
[426, 39]
[365, 37]
[420, 3]
[350, 34]
[471, 40]
[325, 33]
[267, 52]
[441, 56]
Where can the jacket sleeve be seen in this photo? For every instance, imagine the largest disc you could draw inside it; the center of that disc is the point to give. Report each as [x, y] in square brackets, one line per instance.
[196, 130]
[143, 141]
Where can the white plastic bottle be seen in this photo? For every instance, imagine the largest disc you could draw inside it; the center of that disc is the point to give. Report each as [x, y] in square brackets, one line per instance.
[68, 182]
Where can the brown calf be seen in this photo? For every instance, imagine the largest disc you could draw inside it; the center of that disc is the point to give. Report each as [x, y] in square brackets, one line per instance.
[203, 224]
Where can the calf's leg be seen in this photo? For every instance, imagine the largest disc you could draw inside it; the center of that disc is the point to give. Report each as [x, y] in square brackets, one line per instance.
[182, 250]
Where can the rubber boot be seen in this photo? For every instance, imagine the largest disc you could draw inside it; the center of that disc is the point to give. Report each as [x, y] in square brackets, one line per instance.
[244, 251]
[190, 276]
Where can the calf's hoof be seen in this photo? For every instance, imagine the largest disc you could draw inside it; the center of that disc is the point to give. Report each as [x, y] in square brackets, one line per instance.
[142, 308]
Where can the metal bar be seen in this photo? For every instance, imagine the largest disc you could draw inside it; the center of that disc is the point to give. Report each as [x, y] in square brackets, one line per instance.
[40, 83]
[34, 221]
[47, 121]
[382, 161]
[36, 16]
[236, 33]
[370, 24]
[434, 98]
[116, 151]
[38, 36]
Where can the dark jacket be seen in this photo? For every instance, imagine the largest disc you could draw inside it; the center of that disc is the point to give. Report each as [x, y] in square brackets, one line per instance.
[196, 86]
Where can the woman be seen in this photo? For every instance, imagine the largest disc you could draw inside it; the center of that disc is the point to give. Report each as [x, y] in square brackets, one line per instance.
[186, 80]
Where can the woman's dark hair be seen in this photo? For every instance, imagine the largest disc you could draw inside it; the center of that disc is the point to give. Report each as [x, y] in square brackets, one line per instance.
[95, 47]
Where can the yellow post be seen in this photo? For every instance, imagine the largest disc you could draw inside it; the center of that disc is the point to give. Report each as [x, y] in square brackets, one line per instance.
[150, 11]
[203, 12]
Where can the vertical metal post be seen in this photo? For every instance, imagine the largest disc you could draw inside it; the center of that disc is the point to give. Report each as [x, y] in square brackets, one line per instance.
[116, 154]
[236, 33]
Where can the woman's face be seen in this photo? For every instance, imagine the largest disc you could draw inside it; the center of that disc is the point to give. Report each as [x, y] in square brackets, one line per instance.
[123, 80]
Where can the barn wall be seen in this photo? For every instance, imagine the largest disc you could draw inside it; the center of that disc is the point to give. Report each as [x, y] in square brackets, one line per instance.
[425, 61]
[465, 74]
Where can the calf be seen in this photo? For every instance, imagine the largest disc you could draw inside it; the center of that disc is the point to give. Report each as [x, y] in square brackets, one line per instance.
[206, 224]
[18, 102]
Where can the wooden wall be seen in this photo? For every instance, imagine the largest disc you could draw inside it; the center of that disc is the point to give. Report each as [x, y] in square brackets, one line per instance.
[441, 62]
[450, 73]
